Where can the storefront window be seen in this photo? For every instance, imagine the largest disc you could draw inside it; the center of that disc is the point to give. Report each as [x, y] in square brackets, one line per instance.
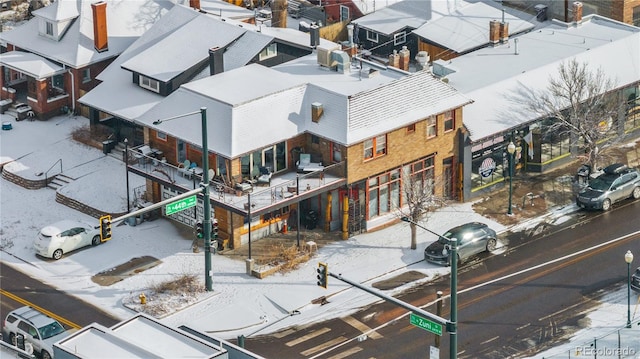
[384, 193]
[632, 96]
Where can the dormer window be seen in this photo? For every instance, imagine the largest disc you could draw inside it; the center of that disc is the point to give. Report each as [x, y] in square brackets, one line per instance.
[269, 52]
[149, 84]
[49, 26]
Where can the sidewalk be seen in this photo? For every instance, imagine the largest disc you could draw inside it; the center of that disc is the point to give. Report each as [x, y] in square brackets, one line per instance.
[239, 304]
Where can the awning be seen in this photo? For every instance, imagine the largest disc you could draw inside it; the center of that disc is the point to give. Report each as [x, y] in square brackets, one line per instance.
[30, 64]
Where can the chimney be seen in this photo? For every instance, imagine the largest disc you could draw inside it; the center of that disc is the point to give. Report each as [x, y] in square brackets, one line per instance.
[314, 31]
[394, 59]
[100, 38]
[279, 13]
[316, 111]
[194, 4]
[504, 32]
[577, 12]
[494, 31]
[404, 58]
[216, 60]
[422, 60]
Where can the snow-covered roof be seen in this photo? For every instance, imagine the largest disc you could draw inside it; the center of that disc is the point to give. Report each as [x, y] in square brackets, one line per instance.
[138, 337]
[369, 6]
[240, 104]
[180, 50]
[30, 64]
[467, 28]
[356, 106]
[407, 13]
[58, 11]
[119, 96]
[224, 9]
[126, 21]
[491, 74]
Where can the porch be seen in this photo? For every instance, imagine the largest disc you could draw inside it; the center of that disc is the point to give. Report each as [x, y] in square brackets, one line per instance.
[245, 197]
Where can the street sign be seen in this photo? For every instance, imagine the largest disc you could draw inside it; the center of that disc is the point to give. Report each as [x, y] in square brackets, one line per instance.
[180, 205]
[425, 324]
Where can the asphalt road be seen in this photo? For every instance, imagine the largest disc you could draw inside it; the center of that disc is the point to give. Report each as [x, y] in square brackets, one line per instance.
[19, 289]
[513, 317]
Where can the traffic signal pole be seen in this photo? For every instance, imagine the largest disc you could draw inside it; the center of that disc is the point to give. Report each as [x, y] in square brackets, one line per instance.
[395, 301]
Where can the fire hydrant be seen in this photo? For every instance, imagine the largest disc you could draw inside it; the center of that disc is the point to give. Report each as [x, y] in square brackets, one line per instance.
[143, 299]
[284, 227]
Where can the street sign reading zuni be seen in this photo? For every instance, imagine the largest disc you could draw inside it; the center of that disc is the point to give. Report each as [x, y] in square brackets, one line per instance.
[425, 324]
[180, 205]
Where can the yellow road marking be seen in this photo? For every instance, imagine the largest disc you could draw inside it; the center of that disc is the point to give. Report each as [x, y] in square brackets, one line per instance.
[40, 309]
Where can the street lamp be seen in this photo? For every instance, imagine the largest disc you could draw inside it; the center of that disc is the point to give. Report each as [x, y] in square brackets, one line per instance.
[628, 257]
[126, 167]
[511, 148]
[206, 223]
[453, 327]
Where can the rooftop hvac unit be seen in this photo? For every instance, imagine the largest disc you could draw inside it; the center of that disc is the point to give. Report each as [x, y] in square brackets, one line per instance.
[324, 55]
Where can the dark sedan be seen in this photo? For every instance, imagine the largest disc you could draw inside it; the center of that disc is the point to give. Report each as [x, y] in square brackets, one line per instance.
[472, 238]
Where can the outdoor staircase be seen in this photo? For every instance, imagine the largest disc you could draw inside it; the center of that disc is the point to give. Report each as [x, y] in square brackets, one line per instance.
[60, 180]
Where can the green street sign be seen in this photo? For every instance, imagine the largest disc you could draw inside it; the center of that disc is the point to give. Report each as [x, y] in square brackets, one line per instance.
[180, 205]
[425, 324]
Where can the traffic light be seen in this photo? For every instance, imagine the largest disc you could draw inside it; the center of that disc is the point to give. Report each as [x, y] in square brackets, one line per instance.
[323, 275]
[105, 228]
[199, 229]
[214, 229]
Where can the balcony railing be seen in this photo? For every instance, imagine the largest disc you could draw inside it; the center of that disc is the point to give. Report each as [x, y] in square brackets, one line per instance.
[284, 187]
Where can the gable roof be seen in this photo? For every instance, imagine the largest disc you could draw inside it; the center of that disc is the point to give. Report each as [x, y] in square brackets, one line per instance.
[356, 107]
[180, 50]
[407, 13]
[126, 21]
[490, 75]
[117, 95]
[467, 27]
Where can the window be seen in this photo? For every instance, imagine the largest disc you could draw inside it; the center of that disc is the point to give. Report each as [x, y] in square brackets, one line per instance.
[384, 193]
[375, 147]
[344, 13]
[315, 139]
[269, 52]
[636, 16]
[431, 127]
[86, 75]
[337, 153]
[372, 36]
[411, 128]
[449, 121]
[49, 26]
[161, 135]
[400, 38]
[149, 84]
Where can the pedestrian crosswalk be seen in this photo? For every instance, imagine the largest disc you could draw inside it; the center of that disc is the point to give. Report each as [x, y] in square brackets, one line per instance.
[312, 345]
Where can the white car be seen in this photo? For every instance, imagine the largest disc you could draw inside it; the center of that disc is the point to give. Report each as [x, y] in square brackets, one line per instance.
[65, 236]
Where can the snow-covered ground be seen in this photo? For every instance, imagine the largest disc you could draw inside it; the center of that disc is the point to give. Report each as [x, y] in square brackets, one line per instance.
[239, 303]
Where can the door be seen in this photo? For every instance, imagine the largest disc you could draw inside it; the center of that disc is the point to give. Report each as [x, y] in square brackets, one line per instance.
[181, 151]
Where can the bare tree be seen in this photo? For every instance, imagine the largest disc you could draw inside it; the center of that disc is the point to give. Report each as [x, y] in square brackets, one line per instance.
[421, 198]
[581, 105]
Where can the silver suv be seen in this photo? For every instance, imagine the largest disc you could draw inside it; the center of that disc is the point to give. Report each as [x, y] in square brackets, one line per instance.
[616, 183]
[38, 329]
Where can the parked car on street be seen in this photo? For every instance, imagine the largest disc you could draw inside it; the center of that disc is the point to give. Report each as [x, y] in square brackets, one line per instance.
[472, 238]
[65, 236]
[37, 329]
[617, 182]
[635, 280]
